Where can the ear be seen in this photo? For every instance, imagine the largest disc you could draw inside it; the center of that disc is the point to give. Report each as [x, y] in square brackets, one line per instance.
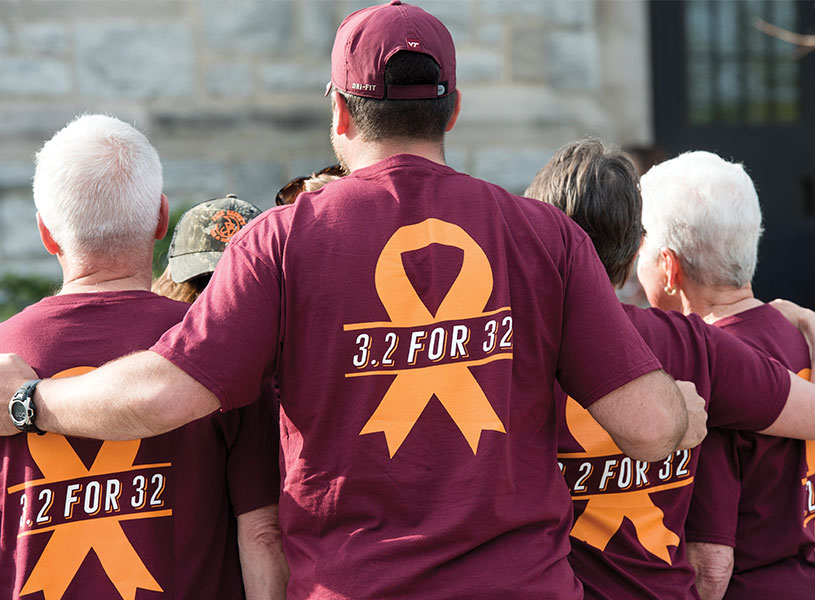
[456, 111]
[163, 218]
[669, 264]
[342, 122]
[51, 246]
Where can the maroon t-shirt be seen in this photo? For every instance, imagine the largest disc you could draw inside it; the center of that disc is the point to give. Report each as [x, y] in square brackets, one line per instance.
[150, 518]
[755, 492]
[417, 319]
[627, 538]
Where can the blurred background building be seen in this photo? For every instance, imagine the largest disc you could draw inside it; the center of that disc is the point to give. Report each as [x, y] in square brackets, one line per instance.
[231, 94]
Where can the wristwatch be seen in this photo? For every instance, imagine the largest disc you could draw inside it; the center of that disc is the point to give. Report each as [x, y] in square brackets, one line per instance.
[21, 408]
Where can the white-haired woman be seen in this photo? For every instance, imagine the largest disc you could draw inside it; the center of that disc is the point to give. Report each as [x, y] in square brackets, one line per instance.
[748, 528]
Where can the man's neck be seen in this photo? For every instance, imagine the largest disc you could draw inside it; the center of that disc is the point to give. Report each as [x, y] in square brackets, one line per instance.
[97, 276]
[113, 284]
[370, 153]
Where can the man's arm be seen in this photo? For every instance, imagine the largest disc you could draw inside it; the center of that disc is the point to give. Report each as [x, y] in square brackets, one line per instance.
[713, 564]
[804, 320]
[263, 564]
[797, 418]
[140, 395]
[648, 418]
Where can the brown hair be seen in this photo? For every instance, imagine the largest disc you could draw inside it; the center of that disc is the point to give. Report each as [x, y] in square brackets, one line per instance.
[307, 183]
[424, 119]
[316, 182]
[185, 292]
[599, 189]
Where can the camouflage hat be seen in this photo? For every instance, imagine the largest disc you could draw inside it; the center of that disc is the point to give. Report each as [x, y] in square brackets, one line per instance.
[202, 233]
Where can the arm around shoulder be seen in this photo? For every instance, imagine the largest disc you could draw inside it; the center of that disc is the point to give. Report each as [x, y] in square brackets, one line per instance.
[648, 419]
[140, 395]
[804, 320]
[797, 418]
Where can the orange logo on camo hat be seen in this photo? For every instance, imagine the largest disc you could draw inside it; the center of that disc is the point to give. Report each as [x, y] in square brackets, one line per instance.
[202, 234]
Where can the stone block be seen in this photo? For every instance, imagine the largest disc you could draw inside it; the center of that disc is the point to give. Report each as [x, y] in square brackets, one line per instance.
[132, 60]
[491, 33]
[21, 239]
[255, 27]
[513, 8]
[528, 51]
[569, 13]
[40, 122]
[4, 38]
[511, 168]
[16, 174]
[526, 115]
[573, 60]
[257, 181]
[230, 80]
[77, 11]
[319, 20]
[510, 105]
[352, 6]
[456, 16]
[203, 178]
[298, 117]
[32, 122]
[23, 76]
[479, 65]
[292, 77]
[43, 38]
[561, 13]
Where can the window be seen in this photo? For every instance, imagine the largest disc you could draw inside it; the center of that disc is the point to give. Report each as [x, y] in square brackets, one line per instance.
[736, 73]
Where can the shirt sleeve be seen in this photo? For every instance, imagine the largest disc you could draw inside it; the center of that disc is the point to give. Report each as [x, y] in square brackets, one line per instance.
[600, 350]
[252, 467]
[748, 388]
[229, 338]
[713, 516]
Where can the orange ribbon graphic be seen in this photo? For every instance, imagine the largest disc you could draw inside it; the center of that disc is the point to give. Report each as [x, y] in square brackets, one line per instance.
[71, 542]
[604, 512]
[453, 384]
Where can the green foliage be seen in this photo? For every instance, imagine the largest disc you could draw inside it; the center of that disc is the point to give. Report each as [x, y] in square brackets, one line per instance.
[163, 246]
[18, 291]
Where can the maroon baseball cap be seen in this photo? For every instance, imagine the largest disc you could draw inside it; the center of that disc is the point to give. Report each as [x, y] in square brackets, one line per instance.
[368, 38]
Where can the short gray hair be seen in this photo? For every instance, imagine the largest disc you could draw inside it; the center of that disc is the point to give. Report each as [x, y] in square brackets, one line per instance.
[97, 186]
[706, 210]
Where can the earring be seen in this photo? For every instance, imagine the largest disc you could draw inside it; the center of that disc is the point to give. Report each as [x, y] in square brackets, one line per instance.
[671, 291]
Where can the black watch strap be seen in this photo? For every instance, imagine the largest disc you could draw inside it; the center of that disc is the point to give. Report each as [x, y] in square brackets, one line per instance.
[22, 410]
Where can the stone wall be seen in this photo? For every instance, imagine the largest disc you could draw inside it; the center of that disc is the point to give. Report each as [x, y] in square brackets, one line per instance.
[231, 91]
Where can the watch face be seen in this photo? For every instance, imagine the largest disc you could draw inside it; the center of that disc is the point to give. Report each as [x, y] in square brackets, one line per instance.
[18, 412]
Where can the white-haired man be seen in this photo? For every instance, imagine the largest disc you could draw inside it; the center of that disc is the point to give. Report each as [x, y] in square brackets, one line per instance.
[88, 519]
[750, 524]
[417, 319]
